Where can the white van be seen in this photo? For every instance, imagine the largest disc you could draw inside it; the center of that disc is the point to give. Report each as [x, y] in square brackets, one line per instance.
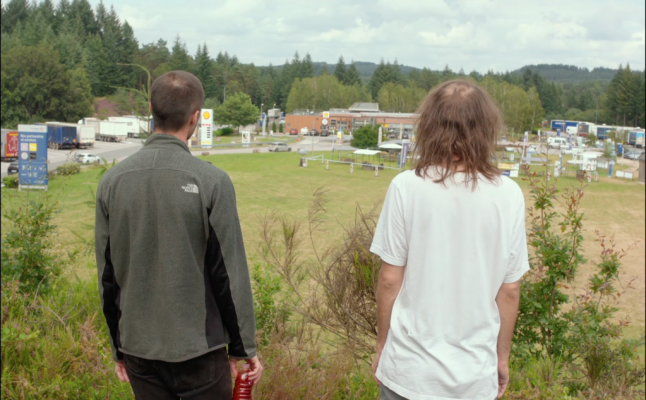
[556, 142]
[305, 131]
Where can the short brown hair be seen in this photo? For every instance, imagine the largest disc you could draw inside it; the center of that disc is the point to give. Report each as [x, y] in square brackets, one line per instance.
[174, 97]
[458, 124]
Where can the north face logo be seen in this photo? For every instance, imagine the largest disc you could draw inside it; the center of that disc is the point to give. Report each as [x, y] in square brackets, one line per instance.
[191, 188]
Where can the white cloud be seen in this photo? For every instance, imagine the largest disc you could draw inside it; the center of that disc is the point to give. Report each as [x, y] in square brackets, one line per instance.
[473, 34]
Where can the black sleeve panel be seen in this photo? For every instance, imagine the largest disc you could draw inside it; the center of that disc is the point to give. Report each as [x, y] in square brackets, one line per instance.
[111, 296]
[220, 287]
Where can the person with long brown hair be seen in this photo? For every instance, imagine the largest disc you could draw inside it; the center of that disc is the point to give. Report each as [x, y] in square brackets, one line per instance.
[452, 241]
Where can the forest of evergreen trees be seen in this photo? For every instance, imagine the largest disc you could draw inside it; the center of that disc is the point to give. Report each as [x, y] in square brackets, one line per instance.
[58, 58]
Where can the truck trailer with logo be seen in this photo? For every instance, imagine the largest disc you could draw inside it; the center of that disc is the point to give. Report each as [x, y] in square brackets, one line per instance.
[9, 145]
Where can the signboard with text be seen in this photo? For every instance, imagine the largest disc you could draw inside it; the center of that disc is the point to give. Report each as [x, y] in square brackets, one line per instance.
[32, 157]
[206, 128]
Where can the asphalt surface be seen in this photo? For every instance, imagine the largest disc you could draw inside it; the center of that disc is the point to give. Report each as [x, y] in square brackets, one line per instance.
[120, 151]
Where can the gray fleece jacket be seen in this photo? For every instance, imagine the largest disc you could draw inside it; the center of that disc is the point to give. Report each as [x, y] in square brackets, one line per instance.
[173, 275]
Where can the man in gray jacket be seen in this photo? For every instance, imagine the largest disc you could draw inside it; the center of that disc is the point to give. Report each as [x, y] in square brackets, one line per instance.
[172, 268]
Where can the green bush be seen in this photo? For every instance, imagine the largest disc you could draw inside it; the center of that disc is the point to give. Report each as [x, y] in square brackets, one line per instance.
[224, 132]
[273, 126]
[365, 137]
[27, 248]
[10, 181]
[68, 169]
[281, 128]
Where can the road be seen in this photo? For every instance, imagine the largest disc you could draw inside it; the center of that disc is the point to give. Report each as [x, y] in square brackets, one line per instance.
[120, 151]
[106, 150]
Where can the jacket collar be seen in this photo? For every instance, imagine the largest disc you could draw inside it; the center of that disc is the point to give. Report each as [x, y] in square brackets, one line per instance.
[162, 140]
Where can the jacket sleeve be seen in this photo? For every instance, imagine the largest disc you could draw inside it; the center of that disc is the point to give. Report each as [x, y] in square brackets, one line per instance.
[108, 287]
[230, 280]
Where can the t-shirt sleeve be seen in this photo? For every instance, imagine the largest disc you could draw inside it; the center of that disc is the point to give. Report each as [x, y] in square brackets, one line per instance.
[519, 258]
[389, 241]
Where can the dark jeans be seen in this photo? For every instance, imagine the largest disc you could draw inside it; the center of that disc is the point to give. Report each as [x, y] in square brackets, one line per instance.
[205, 377]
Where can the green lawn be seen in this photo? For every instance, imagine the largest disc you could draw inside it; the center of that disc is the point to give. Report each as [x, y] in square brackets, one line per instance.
[268, 181]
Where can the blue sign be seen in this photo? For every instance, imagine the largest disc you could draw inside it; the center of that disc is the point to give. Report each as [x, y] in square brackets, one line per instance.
[282, 115]
[264, 116]
[32, 157]
[558, 133]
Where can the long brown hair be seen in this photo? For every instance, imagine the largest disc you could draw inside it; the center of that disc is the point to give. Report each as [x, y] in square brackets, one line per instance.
[458, 126]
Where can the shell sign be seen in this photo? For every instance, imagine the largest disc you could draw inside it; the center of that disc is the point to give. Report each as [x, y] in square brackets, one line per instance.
[326, 114]
[207, 115]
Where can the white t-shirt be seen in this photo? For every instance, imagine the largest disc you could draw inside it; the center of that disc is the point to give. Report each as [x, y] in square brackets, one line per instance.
[458, 246]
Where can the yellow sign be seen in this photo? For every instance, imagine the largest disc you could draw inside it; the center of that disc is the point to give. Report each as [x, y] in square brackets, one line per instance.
[33, 146]
[326, 114]
[207, 115]
[385, 125]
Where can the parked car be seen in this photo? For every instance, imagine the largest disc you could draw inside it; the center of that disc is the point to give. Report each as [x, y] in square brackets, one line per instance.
[633, 154]
[325, 133]
[13, 168]
[392, 136]
[279, 146]
[314, 132]
[305, 131]
[293, 131]
[404, 135]
[87, 158]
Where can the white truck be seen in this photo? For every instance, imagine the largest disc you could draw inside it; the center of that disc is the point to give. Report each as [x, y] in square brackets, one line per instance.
[85, 135]
[107, 131]
[136, 125]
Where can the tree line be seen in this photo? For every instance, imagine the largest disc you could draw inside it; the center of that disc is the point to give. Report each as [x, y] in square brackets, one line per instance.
[57, 58]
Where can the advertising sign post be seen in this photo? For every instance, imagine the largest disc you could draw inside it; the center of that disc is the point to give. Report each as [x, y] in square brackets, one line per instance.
[206, 129]
[404, 155]
[32, 157]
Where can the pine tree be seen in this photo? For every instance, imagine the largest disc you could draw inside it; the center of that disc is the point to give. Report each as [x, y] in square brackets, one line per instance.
[101, 17]
[62, 15]
[48, 10]
[15, 11]
[83, 10]
[340, 71]
[97, 65]
[377, 79]
[307, 67]
[179, 58]
[626, 94]
[204, 70]
[352, 76]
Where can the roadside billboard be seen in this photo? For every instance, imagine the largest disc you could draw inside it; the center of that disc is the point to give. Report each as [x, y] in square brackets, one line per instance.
[32, 159]
[206, 128]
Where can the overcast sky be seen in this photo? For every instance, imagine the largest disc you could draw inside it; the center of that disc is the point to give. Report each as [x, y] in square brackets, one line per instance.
[472, 34]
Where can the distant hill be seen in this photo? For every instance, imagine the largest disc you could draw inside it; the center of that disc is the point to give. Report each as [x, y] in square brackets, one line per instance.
[552, 72]
[569, 73]
[365, 69]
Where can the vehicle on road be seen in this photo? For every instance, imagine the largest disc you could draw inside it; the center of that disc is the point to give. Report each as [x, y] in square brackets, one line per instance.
[557, 142]
[13, 168]
[87, 158]
[314, 132]
[325, 133]
[305, 131]
[293, 131]
[633, 154]
[60, 136]
[405, 136]
[279, 146]
[9, 145]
